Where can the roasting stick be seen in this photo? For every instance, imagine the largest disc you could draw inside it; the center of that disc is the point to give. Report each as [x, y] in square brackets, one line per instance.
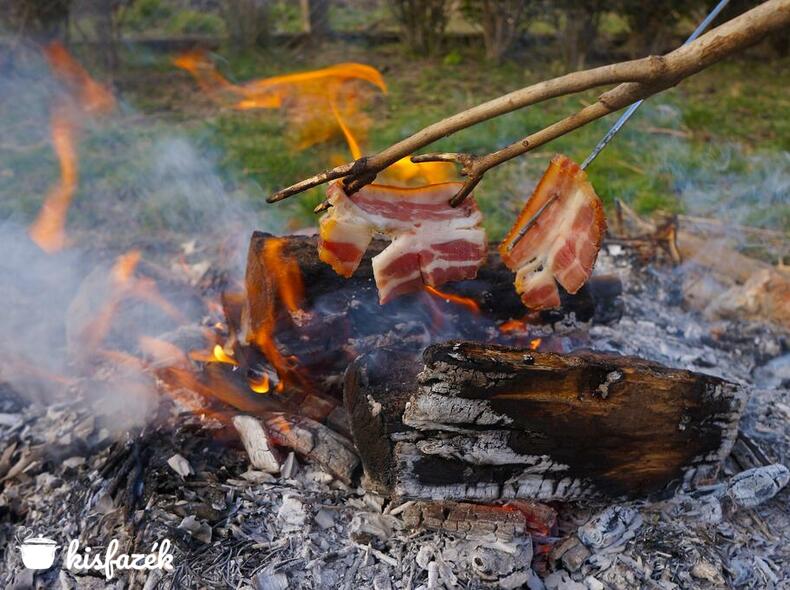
[632, 109]
[619, 123]
[636, 79]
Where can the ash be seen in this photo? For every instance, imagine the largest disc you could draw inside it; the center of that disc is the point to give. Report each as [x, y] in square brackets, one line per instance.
[68, 473]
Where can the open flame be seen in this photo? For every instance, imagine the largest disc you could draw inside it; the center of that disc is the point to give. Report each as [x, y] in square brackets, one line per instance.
[84, 97]
[467, 302]
[319, 105]
[287, 281]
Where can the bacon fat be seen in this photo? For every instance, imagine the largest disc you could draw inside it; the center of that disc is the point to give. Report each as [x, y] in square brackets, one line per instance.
[562, 243]
[432, 243]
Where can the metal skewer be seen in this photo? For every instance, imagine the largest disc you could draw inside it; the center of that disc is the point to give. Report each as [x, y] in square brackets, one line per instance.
[632, 109]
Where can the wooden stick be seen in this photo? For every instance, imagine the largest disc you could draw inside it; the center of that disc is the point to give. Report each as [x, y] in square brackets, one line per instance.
[637, 79]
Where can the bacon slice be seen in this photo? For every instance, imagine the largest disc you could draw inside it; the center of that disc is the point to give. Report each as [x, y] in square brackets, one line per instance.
[562, 243]
[432, 243]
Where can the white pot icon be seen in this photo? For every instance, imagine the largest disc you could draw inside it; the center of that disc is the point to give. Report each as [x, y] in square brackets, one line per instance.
[38, 553]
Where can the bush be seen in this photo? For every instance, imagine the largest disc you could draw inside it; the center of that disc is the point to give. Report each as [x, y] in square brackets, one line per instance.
[191, 22]
[144, 15]
[652, 23]
[422, 23]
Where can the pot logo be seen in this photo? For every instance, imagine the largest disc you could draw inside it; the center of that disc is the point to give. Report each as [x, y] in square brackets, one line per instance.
[38, 553]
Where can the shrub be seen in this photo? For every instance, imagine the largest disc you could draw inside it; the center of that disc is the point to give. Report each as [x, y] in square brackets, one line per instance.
[192, 22]
[422, 23]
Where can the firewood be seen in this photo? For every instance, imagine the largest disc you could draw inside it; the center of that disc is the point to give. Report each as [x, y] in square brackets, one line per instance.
[339, 311]
[256, 443]
[485, 422]
[481, 520]
[314, 441]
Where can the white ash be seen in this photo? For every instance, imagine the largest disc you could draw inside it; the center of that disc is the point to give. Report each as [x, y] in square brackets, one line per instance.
[304, 529]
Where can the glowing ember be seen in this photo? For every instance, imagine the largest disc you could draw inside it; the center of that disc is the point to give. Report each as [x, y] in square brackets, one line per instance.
[260, 384]
[86, 96]
[221, 356]
[534, 344]
[466, 302]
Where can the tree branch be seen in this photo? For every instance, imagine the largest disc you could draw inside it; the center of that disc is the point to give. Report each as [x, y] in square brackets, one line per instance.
[637, 79]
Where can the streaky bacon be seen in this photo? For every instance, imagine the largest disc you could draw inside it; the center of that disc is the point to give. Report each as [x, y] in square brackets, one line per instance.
[562, 243]
[432, 243]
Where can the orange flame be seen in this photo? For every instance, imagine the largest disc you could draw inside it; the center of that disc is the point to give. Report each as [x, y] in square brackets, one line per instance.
[287, 280]
[48, 230]
[123, 285]
[466, 302]
[534, 344]
[260, 384]
[312, 100]
[86, 96]
[318, 105]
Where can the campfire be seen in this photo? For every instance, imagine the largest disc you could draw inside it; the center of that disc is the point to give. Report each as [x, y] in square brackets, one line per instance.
[393, 399]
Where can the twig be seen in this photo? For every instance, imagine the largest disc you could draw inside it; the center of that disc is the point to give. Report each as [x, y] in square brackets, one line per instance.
[637, 79]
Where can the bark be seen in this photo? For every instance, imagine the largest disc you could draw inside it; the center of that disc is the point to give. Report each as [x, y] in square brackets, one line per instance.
[486, 423]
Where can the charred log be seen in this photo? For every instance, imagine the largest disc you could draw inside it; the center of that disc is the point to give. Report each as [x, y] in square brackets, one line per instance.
[485, 422]
[341, 318]
[492, 289]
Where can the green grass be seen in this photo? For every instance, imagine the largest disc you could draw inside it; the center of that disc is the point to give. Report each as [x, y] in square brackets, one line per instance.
[716, 145]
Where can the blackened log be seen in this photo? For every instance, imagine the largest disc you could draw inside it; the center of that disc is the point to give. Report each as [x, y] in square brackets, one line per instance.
[492, 289]
[483, 422]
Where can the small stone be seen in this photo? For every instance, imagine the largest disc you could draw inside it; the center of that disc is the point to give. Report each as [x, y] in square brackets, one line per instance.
[267, 581]
[324, 519]
[73, 462]
[704, 570]
[180, 465]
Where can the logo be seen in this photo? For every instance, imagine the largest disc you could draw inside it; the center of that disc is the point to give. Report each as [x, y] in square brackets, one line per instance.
[38, 553]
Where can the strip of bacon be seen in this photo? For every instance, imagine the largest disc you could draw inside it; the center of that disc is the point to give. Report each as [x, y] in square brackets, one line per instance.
[432, 243]
[562, 242]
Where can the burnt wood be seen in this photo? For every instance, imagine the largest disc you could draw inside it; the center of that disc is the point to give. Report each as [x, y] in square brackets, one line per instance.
[484, 422]
[492, 289]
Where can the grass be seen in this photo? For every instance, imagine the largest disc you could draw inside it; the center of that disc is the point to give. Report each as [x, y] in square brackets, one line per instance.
[716, 145]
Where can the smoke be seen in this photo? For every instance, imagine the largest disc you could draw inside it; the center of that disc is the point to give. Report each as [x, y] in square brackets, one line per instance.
[144, 187]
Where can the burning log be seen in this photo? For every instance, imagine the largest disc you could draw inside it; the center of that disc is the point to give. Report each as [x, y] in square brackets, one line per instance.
[486, 422]
[335, 312]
